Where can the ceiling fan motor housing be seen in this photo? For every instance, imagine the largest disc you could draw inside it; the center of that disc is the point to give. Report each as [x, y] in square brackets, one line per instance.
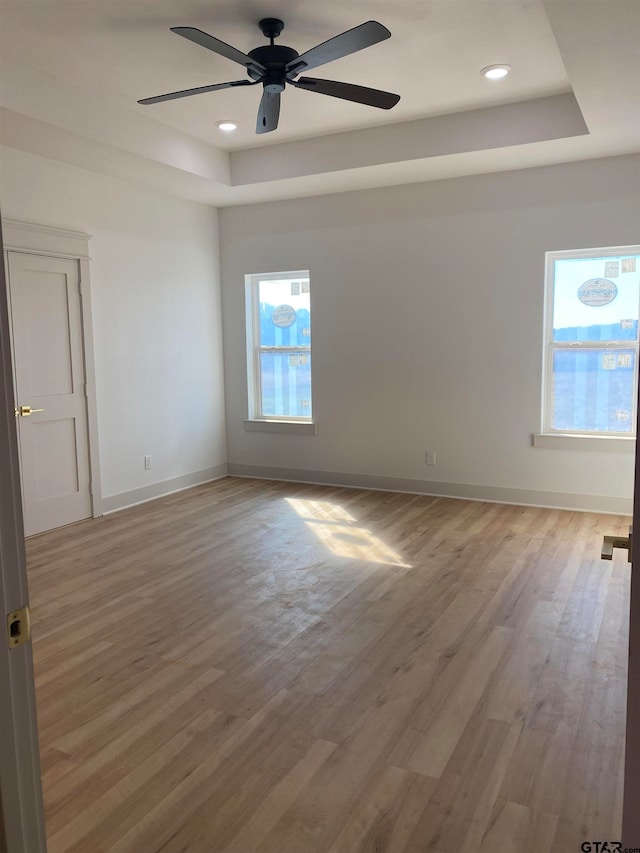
[274, 57]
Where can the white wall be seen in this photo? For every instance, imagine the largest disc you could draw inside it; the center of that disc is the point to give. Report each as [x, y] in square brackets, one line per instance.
[427, 308]
[157, 324]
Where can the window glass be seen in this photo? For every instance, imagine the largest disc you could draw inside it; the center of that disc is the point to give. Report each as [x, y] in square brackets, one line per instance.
[593, 390]
[286, 384]
[285, 313]
[596, 299]
[279, 332]
[592, 341]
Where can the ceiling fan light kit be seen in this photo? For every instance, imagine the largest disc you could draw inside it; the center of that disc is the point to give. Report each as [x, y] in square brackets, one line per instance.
[275, 65]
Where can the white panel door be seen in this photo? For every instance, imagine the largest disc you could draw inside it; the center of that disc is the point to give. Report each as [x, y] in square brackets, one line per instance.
[50, 379]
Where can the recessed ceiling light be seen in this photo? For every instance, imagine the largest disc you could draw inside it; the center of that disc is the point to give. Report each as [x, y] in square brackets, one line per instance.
[495, 72]
[227, 126]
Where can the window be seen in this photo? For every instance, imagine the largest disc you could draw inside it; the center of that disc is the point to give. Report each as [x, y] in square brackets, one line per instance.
[591, 342]
[279, 346]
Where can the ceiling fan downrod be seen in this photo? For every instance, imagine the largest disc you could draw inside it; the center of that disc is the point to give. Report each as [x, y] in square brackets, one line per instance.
[271, 28]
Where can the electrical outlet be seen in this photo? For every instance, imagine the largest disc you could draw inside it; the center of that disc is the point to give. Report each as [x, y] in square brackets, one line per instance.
[431, 457]
[147, 462]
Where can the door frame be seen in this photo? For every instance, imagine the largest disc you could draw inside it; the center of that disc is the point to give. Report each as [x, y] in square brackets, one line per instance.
[31, 239]
[631, 793]
[20, 783]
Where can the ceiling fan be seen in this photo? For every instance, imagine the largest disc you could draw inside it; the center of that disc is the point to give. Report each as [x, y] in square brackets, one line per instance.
[275, 65]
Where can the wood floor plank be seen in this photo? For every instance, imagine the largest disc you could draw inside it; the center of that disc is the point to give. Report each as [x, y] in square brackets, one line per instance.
[477, 825]
[271, 809]
[77, 783]
[386, 814]
[314, 820]
[436, 744]
[264, 667]
[480, 755]
[516, 829]
[130, 829]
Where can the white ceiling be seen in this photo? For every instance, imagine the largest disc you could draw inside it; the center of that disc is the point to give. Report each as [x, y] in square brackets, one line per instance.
[72, 71]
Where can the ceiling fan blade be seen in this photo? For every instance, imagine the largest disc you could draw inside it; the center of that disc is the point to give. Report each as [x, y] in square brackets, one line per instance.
[185, 93]
[348, 42]
[205, 40]
[268, 112]
[348, 92]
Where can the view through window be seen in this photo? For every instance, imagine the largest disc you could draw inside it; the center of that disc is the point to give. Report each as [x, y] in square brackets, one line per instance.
[591, 355]
[280, 331]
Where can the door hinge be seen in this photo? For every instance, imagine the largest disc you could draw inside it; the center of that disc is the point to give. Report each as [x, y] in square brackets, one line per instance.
[91, 489]
[18, 627]
[86, 390]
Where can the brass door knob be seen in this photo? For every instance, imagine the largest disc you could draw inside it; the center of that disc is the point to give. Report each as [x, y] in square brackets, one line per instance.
[25, 411]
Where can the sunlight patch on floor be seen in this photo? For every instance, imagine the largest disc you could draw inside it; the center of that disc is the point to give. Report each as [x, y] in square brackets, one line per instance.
[340, 532]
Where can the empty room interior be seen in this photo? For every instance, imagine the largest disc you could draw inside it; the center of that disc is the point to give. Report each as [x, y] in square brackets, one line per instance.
[324, 401]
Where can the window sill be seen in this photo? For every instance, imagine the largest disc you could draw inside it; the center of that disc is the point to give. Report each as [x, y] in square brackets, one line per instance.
[291, 427]
[601, 443]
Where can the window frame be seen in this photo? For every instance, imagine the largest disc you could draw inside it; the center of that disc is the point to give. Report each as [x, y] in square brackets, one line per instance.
[550, 346]
[255, 349]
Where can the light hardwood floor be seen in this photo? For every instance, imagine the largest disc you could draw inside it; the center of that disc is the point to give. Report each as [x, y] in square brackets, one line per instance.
[265, 667]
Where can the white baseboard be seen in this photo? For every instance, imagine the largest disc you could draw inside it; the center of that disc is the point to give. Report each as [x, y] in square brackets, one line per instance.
[465, 491]
[113, 503]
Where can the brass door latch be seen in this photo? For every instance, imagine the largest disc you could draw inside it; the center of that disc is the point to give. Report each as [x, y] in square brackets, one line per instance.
[611, 542]
[18, 627]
